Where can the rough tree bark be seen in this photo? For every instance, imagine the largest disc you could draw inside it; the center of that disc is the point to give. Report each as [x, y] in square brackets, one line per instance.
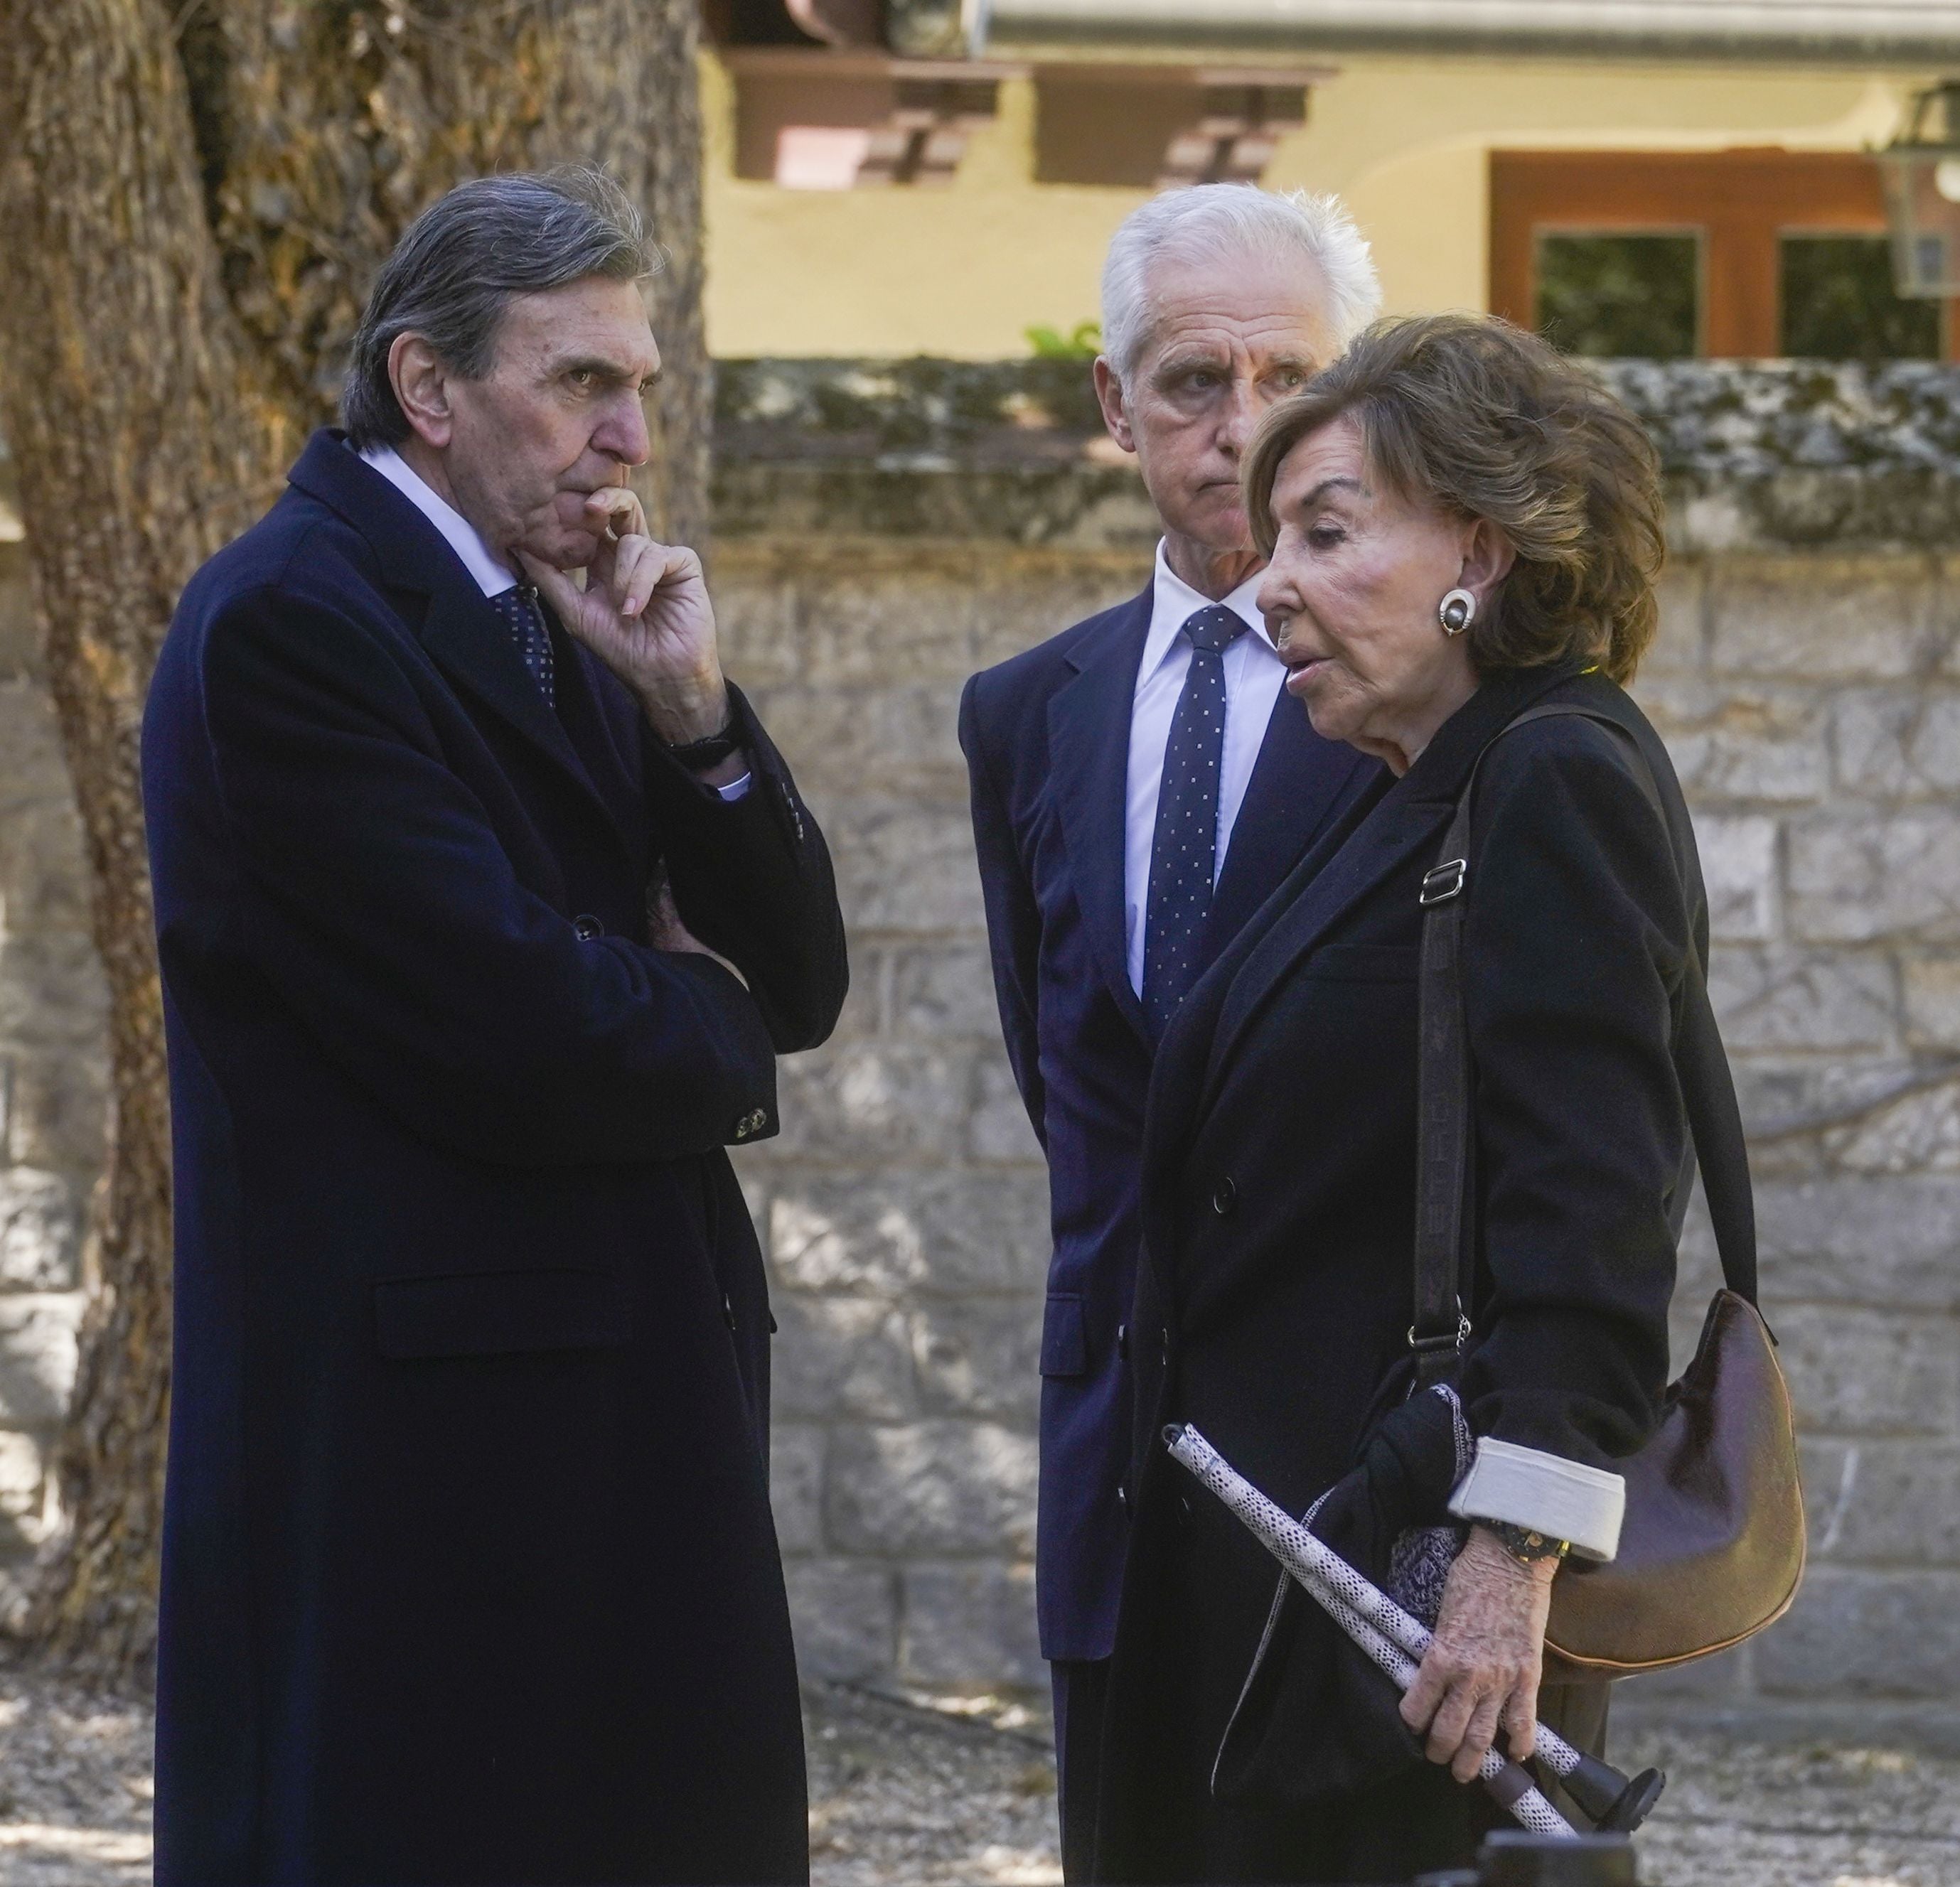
[196, 194]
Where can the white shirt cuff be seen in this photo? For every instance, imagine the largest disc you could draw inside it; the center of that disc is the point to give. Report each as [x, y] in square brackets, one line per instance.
[1561, 1499]
[736, 788]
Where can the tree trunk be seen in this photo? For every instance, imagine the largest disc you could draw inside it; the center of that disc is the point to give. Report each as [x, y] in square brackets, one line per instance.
[136, 461]
[637, 122]
[325, 127]
[197, 193]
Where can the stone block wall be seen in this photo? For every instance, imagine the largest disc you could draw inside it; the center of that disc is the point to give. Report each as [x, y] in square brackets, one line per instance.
[883, 531]
[1807, 680]
[1811, 702]
[904, 1206]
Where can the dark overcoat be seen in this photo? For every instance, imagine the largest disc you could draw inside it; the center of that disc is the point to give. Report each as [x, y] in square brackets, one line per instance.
[468, 1570]
[1047, 739]
[1279, 1170]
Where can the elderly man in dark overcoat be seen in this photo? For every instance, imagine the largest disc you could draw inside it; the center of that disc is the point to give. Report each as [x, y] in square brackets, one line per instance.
[485, 905]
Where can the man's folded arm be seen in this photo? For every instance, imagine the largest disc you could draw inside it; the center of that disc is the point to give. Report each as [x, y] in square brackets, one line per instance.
[378, 901]
[751, 878]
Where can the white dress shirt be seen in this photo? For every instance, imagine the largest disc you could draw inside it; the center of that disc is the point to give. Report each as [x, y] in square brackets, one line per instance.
[490, 573]
[1254, 674]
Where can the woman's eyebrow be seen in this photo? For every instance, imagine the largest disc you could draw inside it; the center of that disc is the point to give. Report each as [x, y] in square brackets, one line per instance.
[1339, 482]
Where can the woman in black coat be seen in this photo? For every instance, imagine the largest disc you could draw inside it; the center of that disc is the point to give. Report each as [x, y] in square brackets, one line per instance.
[1461, 526]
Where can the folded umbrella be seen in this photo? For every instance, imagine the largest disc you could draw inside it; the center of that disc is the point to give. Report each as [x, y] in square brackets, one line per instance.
[1395, 1641]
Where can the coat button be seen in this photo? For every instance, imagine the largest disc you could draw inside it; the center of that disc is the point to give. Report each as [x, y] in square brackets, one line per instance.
[585, 927]
[1224, 1196]
[1123, 1342]
[1122, 1497]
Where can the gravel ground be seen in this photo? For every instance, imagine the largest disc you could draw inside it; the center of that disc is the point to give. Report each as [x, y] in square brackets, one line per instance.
[75, 1786]
[920, 1793]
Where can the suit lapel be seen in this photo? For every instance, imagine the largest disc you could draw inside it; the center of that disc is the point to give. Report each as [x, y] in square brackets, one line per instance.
[1181, 1081]
[1299, 782]
[584, 686]
[1396, 828]
[1089, 757]
[1306, 797]
[1410, 818]
[458, 628]
[474, 650]
[472, 647]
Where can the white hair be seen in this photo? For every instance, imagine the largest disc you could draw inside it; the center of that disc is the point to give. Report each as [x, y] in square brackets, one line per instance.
[1226, 223]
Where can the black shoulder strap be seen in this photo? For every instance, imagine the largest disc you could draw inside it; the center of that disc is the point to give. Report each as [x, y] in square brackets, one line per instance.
[1444, 1140]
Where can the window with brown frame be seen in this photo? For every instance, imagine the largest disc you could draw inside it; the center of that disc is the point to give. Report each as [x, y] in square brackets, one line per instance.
[1731, 254]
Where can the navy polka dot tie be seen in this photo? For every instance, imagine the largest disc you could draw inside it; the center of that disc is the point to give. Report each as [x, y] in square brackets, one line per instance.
[1184, 848]
[518, 606]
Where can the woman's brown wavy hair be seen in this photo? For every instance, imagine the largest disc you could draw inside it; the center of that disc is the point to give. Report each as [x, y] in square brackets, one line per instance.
[1470, 414]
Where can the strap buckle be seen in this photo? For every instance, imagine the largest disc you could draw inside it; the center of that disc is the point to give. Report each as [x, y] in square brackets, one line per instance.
[1426, 1345]
[1443, 882]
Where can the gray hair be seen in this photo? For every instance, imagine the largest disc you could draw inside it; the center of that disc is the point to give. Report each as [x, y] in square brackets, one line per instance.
[1225, 223]
[458, 264]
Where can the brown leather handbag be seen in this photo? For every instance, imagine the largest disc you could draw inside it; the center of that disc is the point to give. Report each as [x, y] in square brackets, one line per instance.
[1712, 1547]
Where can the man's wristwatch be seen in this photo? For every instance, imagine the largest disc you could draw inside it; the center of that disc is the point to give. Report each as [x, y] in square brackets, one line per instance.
[1524, 1545]
[696, 756]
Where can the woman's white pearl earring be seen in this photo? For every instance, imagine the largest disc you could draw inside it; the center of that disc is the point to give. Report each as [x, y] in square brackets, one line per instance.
[1456, 611]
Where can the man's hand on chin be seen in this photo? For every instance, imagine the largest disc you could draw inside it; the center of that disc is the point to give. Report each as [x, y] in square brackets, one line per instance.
[644, 612]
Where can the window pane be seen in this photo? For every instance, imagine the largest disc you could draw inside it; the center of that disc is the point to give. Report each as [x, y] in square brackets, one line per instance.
[1838, 304]
[1606, 296]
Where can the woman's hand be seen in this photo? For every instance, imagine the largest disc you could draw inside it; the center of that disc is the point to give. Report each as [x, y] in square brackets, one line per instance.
[1486, 1660]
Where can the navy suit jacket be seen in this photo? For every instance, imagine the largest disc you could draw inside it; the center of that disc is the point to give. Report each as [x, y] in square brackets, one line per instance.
[1047, 740]
[468, 1574]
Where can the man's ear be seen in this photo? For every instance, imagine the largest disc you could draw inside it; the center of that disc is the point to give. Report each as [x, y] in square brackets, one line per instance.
[1109, 397]
[420, 377]
[1487, 558]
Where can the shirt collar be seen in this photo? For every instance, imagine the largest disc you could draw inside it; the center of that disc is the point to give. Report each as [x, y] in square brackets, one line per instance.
[491, 575]
[1173, 603]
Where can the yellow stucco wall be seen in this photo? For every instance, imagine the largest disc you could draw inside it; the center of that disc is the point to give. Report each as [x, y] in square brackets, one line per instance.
[965, 270]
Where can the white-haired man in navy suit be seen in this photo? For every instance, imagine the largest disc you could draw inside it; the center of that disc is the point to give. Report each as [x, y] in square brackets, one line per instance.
[1140, 785]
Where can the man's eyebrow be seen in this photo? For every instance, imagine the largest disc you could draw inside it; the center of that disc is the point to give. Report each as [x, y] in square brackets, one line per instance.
[603, 369]
[1185, 359]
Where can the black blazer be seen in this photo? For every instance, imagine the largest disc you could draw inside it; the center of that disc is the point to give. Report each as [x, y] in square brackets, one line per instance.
[1279, 1167]
[1047, 740]
[468, 1572]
